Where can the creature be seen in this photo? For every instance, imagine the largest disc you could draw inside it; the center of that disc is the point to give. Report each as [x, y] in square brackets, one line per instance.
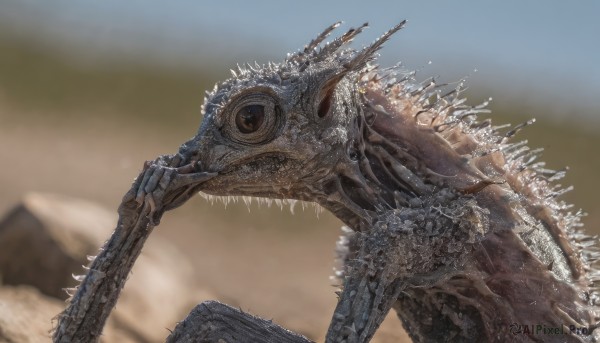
[449, 223]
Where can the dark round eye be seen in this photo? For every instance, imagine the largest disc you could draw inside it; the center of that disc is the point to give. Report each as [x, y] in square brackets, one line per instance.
[250, 118]
[253, 118]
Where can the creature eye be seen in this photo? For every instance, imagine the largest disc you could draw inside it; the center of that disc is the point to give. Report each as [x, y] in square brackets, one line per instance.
[253, 118]
[250, 118]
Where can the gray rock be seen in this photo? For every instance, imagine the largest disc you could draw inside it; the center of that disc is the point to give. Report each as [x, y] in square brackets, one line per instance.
[46, 239]
[27, 316]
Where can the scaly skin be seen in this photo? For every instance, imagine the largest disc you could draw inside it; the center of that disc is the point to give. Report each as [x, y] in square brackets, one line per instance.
[454, 227]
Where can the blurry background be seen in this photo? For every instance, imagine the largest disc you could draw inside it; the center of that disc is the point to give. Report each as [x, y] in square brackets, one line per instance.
[91, 89]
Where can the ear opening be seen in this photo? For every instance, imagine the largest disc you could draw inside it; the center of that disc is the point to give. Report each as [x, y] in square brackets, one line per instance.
[326, 95]
[325, 103]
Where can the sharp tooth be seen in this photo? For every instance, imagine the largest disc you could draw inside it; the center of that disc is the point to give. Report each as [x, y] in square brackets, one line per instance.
[318, 209]
[225, 200]
[208, 197]
[218, 198]
[292, 203]
[248, 201]
[279, 203]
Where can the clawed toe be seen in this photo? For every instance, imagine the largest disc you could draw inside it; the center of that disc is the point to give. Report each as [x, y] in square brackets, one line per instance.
[154, 179]
[166, 174]
[147, 173]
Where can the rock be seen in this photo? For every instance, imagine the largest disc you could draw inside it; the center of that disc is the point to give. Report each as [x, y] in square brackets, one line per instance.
[27, 316]
[47, 238]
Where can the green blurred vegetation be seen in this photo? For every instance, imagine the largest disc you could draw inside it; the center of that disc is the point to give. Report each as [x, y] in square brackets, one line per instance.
[34, 78]
[62, 90]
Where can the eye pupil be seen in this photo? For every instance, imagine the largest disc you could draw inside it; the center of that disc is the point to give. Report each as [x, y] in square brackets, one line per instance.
[250, 118]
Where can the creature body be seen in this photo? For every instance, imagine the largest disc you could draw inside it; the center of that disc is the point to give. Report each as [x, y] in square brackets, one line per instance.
[450, 224]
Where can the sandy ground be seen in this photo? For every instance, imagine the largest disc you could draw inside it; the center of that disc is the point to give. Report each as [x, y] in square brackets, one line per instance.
[263, 260]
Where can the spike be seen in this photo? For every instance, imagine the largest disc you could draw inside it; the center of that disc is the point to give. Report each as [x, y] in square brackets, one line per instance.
[559, 174]
[70, 291]
[297, 58]
[366, 54]
[532, 155]
[248, 201]
[517, 153]
[78, 278]
[320, 38]
[514, 146]
[560, 192]
[518, 128]
[337, 43]
[292, 203]
[318, 208]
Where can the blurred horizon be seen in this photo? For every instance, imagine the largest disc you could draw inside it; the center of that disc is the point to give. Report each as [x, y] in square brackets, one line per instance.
[537, 54]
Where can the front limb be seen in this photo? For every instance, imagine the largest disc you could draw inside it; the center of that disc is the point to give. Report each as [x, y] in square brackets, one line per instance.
[162, 185]
[407, 248]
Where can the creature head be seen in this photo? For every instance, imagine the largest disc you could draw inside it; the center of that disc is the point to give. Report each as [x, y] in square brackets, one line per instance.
[286, 130]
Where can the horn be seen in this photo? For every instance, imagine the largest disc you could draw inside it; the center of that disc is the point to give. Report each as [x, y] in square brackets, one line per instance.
[366, 54]
[310, 47]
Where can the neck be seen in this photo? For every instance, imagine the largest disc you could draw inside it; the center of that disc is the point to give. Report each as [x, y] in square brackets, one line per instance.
[490, 242]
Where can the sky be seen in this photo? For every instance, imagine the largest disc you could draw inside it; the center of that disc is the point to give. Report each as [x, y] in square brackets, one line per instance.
[537, 51]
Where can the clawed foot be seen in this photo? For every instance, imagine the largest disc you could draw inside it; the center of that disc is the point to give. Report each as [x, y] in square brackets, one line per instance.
[165, 184]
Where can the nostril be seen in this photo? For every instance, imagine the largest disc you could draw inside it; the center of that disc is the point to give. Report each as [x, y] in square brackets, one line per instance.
[188, 155]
